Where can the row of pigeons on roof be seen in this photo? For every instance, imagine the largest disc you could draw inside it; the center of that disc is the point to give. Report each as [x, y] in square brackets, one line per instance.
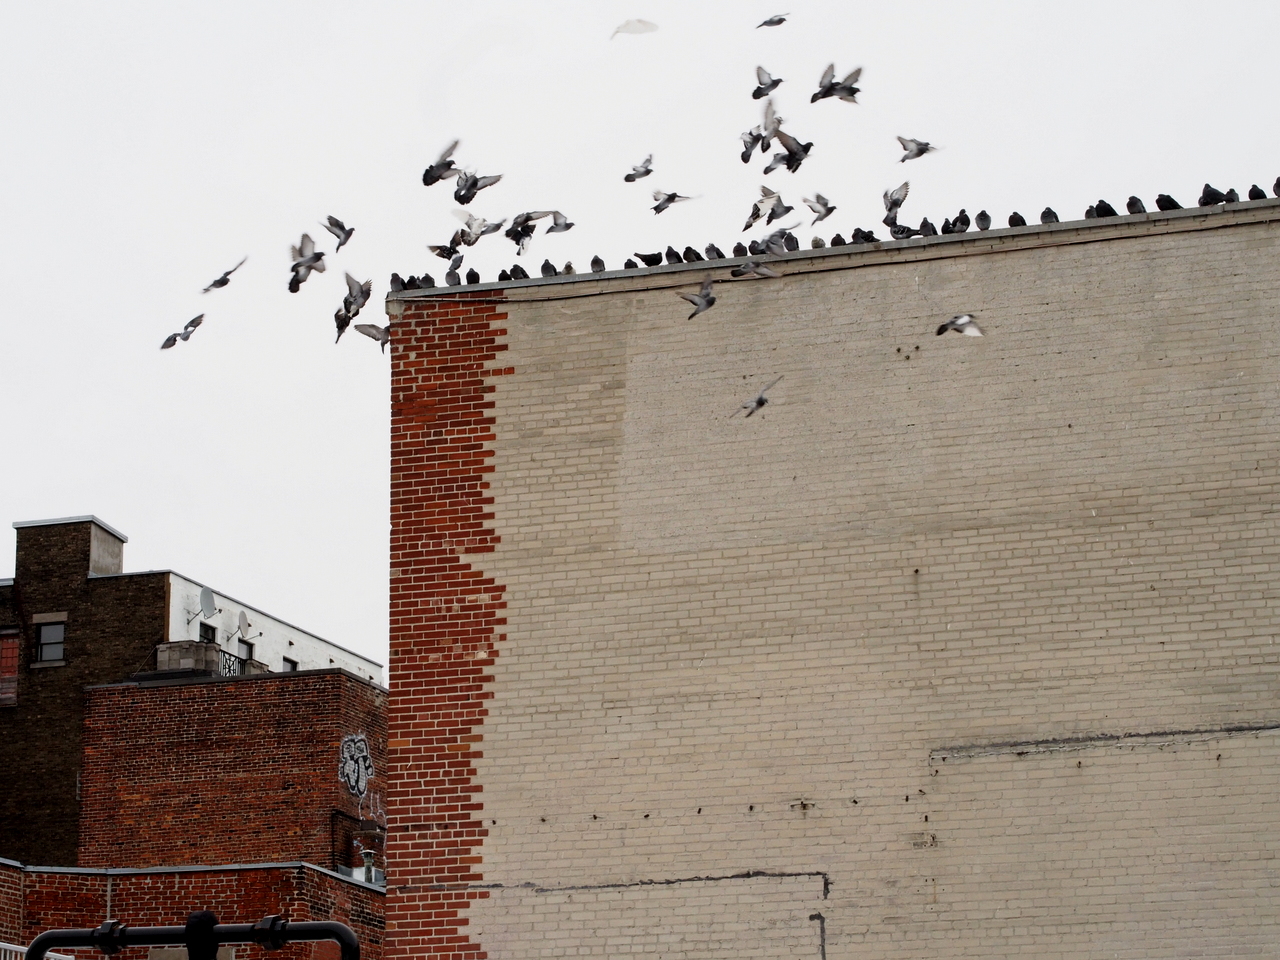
[769, 207]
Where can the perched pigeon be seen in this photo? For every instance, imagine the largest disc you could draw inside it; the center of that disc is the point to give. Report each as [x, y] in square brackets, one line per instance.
[740, 249]
[381, 334]
[902, 232]
[518, 272]
[503, 276]
[665, 200]
[961, 223]
[1105, 209]
[1091, 212]
[893, 199]
[927, 229]
[442, 169]
[1135, 205]
[634, 26]
[597, 265]
[305, 259]
[476, 227]
[791, 242]
[776, 242]
[775, 21]
[640, 172]
[672, 256]
[796, 153]
[339, 230]
[961, 323]
[1231, 196]
[839, 241]
[713, 252]
[412, 284]
[1166, 202]
[914, 148]
[817, 243]
[469, 185]
[947, 227]
[863, 236]
[1017, 220]
[630, 265]
[188, 328]
[1257, 193]
[820, 206]
[767, 84]
[983, 220]
[473, 275]
[397, 283]
[650, 259]
[521, 230]
[1209, 197]
[691, 255]
[549, 269]
[702, 300]
[1048, 216]
[1275, 187]
[426, 281]
[223, 280]
[828, 86]
[754, 406]
[568, 270]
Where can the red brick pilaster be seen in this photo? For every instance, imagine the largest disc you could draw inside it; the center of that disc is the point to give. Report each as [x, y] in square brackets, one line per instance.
[445, 614]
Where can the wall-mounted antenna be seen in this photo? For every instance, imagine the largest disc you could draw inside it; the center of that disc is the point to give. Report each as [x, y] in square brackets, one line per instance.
[208, 608]
[244, 625]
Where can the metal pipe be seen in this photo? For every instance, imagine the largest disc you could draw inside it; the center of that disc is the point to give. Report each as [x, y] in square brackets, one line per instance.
[271, 932]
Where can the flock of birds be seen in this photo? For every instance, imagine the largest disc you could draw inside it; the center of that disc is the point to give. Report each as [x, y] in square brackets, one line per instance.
[770, 207]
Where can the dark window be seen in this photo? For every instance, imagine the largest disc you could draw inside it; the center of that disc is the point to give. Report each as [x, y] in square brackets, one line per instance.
[208, 633]
[244, 650]
[49, 638]
[290, 665]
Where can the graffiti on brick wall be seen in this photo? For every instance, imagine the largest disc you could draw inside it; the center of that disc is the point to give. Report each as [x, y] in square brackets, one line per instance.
[355, 765]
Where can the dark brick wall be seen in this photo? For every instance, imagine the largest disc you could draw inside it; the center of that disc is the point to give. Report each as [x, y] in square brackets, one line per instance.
[228, 770]
[33, 900]
[113, 624]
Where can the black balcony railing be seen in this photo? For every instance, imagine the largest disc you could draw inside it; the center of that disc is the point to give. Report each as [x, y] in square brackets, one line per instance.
[232, 666]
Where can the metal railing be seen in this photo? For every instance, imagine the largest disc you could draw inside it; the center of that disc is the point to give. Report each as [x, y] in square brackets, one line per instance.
[14, 951]
[232, 666]
[202, 936]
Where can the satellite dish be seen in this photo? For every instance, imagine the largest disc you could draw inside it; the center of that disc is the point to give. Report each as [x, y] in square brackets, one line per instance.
[244, 624]
[207, 606]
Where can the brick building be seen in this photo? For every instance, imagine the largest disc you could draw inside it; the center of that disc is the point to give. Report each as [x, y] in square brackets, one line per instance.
[961, 647]
[71, 617]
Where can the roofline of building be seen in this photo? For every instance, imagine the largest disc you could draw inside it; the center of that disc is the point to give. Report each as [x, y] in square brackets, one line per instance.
[196, 678]
[87, 518]
[239, 603]
[200, 868]
[1006, 239]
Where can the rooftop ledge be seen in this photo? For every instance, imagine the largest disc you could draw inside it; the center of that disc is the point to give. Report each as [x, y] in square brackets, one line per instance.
[974, 242]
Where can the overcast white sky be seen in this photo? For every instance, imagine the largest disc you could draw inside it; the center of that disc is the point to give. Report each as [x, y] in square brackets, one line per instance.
[149, 146]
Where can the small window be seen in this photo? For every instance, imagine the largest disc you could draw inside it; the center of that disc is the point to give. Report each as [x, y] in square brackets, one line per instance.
[290, 665]
[244, 650]
[208, 633]
[8, 668]
[49, 637]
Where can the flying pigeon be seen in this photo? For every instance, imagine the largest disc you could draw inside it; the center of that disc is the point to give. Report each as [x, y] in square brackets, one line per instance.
[476, 227]
[549, 269]
[650, 259]
[1048, 216]
[442, 169]
[341, 320]
[776, 20]
[776, 242]
[1017, 220]
[187, 329]
[559, 223]
[640, 172]
[691, 255]
[914, 148]
[672, 255]
[713, 252]
[339, 230]
[796, 153]
[983, 220]
[447, 251]
[820, 206]
[750, 140]
[223, 280]
[767, 84]
[665, 200]
[1105, 209]
[1257, 193]
[1211, 196]
[1166, 202]
[777, 209]
[702, 300]
[844, 89]
[634, 26]
[769, 127]
[597, 265]
[893, 199]
[469, 185]
[357, 296]
[961, 323]
[961, 223]
[756, 405]
[381, 334]
[521, 230]
[305, 259]
[1135, 205]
